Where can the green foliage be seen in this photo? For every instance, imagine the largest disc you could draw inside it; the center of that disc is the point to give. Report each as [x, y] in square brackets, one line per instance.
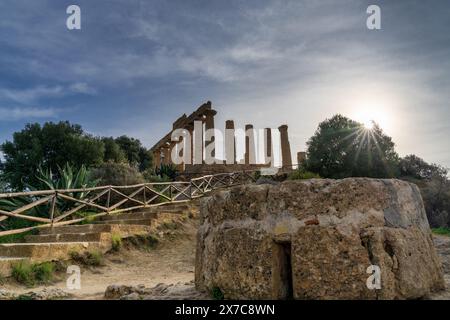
[167, 170]
[343, 148]
[22, 272]
[434, 186]
[145, 159]
[442, 231]
[117, 174]
[15, 238]
[113, 152]
[92, 258]
[43, 273]
[50, 145]
[88, 215]
[168, 226]
[3, 183]
[415, 167]
[136, 155]
[155, 178]
[148, 241]
[24, 297]
[217, 294]
[66, 178]
[116, 242]
[30, 274]
[301, 174]
[151, 241]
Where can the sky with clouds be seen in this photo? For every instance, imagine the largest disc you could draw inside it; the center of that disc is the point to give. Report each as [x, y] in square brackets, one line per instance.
[136, 66]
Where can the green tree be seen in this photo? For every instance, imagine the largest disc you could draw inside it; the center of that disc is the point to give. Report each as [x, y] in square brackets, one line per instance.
[145, 159]
[131, 147]
[434, 186]
[342, 147]
[415, 167]
[50, 145]
[113, 152]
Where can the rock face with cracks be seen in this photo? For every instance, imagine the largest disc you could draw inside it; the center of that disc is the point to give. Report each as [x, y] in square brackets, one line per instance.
[315, 239]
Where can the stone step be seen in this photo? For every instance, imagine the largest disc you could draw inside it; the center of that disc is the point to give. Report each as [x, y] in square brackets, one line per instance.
[124, 230]
[86, 228]
[69, 237]
[47, 251]
[172, 207]
[5, 264]
[130, 215]
[172, 210]
[143, 222]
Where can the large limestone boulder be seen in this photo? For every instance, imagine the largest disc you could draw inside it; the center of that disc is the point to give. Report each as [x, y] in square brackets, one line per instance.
[315, 239]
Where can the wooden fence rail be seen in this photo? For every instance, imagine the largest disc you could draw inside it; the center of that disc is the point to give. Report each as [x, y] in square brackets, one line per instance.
[49, 208]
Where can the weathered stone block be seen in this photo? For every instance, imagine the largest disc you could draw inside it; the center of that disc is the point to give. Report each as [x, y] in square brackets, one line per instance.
[315, 239]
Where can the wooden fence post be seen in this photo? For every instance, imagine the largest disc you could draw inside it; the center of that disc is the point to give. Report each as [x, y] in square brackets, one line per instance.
[145, 197]
[108, 199]
[52, 209]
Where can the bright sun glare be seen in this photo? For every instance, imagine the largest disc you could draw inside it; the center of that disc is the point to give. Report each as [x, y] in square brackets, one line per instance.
[368, 125]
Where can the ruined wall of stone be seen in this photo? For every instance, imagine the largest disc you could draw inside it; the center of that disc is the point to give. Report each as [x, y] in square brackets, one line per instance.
[335, 229]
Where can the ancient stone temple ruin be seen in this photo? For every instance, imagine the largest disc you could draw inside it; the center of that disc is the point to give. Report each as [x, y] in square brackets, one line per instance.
[317, 239]
[162, 150]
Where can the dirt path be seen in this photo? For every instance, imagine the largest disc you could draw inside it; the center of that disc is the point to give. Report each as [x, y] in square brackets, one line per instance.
[171, 261]
[442, 244]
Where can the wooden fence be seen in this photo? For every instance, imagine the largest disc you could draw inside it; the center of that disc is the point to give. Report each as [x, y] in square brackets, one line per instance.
[63, 207]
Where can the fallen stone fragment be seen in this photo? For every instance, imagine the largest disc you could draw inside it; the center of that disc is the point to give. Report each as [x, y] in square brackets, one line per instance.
[178, 291]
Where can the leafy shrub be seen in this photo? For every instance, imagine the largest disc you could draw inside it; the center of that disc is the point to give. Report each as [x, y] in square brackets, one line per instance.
[16, 238]
[167, 170]
[116, 242]
[117, 174]
[442, 231]
[143, 241]
[256, 175]
[88, 215]
[90, 258]
[301, 174]
[29, 274]
[66, 178]
[22, 272]
[217, 293]
[168, 226]
[43, 272]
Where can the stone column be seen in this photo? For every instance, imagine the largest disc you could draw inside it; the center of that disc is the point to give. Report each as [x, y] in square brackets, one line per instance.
[301, 158]
[285, 147]
[166, 152]
[198, 151]
[178, 146]
[190, 129]
[268, 152]
[230, 142]
[209, 125]
[250, 155]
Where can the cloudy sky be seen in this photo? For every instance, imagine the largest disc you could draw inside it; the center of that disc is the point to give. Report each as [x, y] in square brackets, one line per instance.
[135, 66]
